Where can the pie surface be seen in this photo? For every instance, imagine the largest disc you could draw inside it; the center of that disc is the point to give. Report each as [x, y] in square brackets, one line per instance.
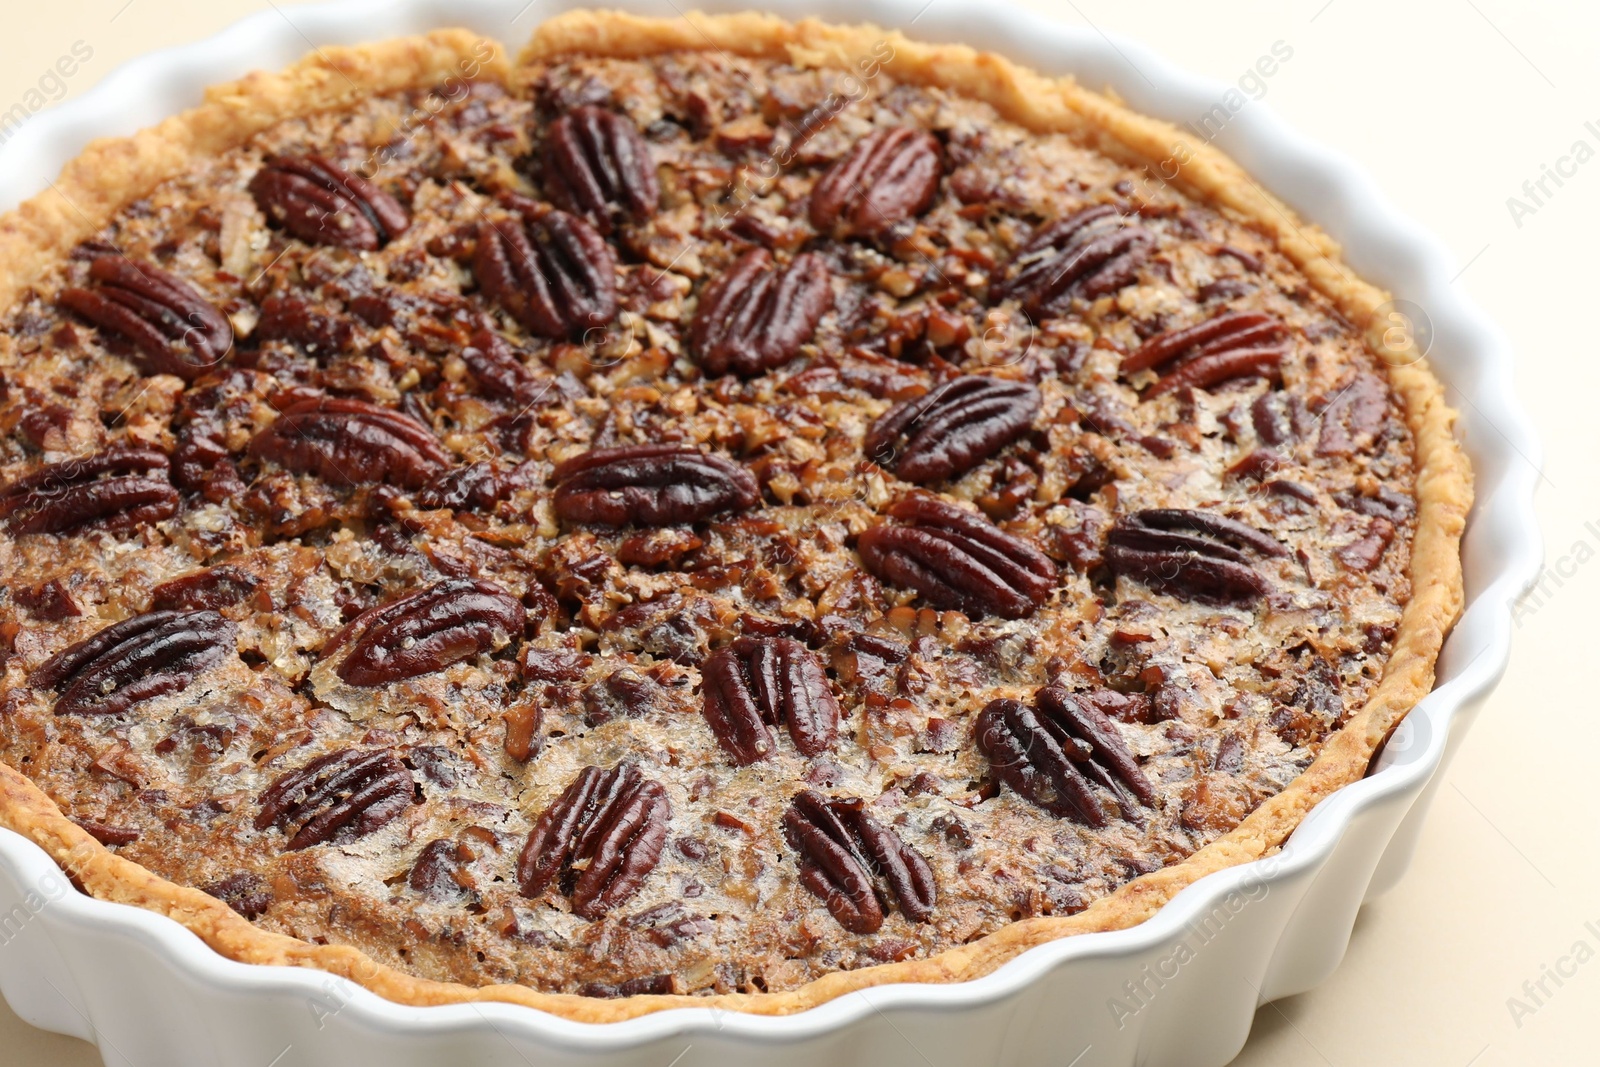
[670, 521]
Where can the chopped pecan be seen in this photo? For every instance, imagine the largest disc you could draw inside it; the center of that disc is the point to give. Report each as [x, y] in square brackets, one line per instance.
[676, 626]
[1384, 503]
[202, 456]
[651, 485]
[642, 986]
[245, 892]
[889, 175]
[597, 164]
[524, 718]
[624, 693]
[318, 201]
[1050, 754]
[351, 442]
[1223, 289]
[757, 682]
[1259, 465]
[215, 587]
[554, 664]
[604, 834]
[957, 559]
[427, 630]
[841, 848]
[1278, 418]
[1090, 253]
[1364, 552]
[51, 601]
[671, 923]
[315, 332]
[755, 317]
[1230, 754]
[498, 369]
[174, 329]
[1354, 416]
[119, 489]
[1129, 707]
[137, 659]
[343, 795]
[555, 275]
[48, 426]
[202, 742]
[1234, 344]
[108, 835]
[478, 486]
[440, 873]
[953, 428]
[1194, 555]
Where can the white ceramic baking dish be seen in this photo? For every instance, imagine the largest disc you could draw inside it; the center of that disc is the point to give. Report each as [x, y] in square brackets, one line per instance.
[1180, 990]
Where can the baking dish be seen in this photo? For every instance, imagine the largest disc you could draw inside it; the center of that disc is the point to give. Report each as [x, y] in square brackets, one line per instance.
[1301, 875]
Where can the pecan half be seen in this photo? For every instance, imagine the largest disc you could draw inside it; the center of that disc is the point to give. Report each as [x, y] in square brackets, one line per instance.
[427, 630]
[1090, 253]
[841, 848]
[318, 201]
[351, 442]
[343, 795]
[1050, 754]
[957, 559]
[170, 325]
[951, 429]
[121, 488]
[756, 683]
[754, 317]
[608, 825]
[555, 275]
[1234, 344]
[651, 485]
[1112, 764]
[889, 175]
[1193, 555]
[597, 164]
[137, 659]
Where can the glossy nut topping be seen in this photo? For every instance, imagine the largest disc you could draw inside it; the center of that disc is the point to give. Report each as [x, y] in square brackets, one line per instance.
[756, 316]
[650, 485]
[957, 559]
[121, 488]
[140, 658]
[555, 274]
[172, 328]
[597, 165]
[320, 202]
[888, 176]
[611, 822]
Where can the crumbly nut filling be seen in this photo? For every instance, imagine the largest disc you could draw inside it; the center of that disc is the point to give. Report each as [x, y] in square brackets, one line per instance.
[696, 525]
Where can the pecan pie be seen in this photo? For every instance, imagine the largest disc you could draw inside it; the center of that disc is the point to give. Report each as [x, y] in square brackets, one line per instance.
[718, 512]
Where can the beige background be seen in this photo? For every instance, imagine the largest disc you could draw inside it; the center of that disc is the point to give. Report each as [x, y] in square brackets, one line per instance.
[1452, 105]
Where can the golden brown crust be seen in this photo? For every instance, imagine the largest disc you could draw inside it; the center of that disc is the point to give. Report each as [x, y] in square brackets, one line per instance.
[109, 173]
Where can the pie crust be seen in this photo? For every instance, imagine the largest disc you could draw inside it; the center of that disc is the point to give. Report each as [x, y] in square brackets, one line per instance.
[110, 173]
